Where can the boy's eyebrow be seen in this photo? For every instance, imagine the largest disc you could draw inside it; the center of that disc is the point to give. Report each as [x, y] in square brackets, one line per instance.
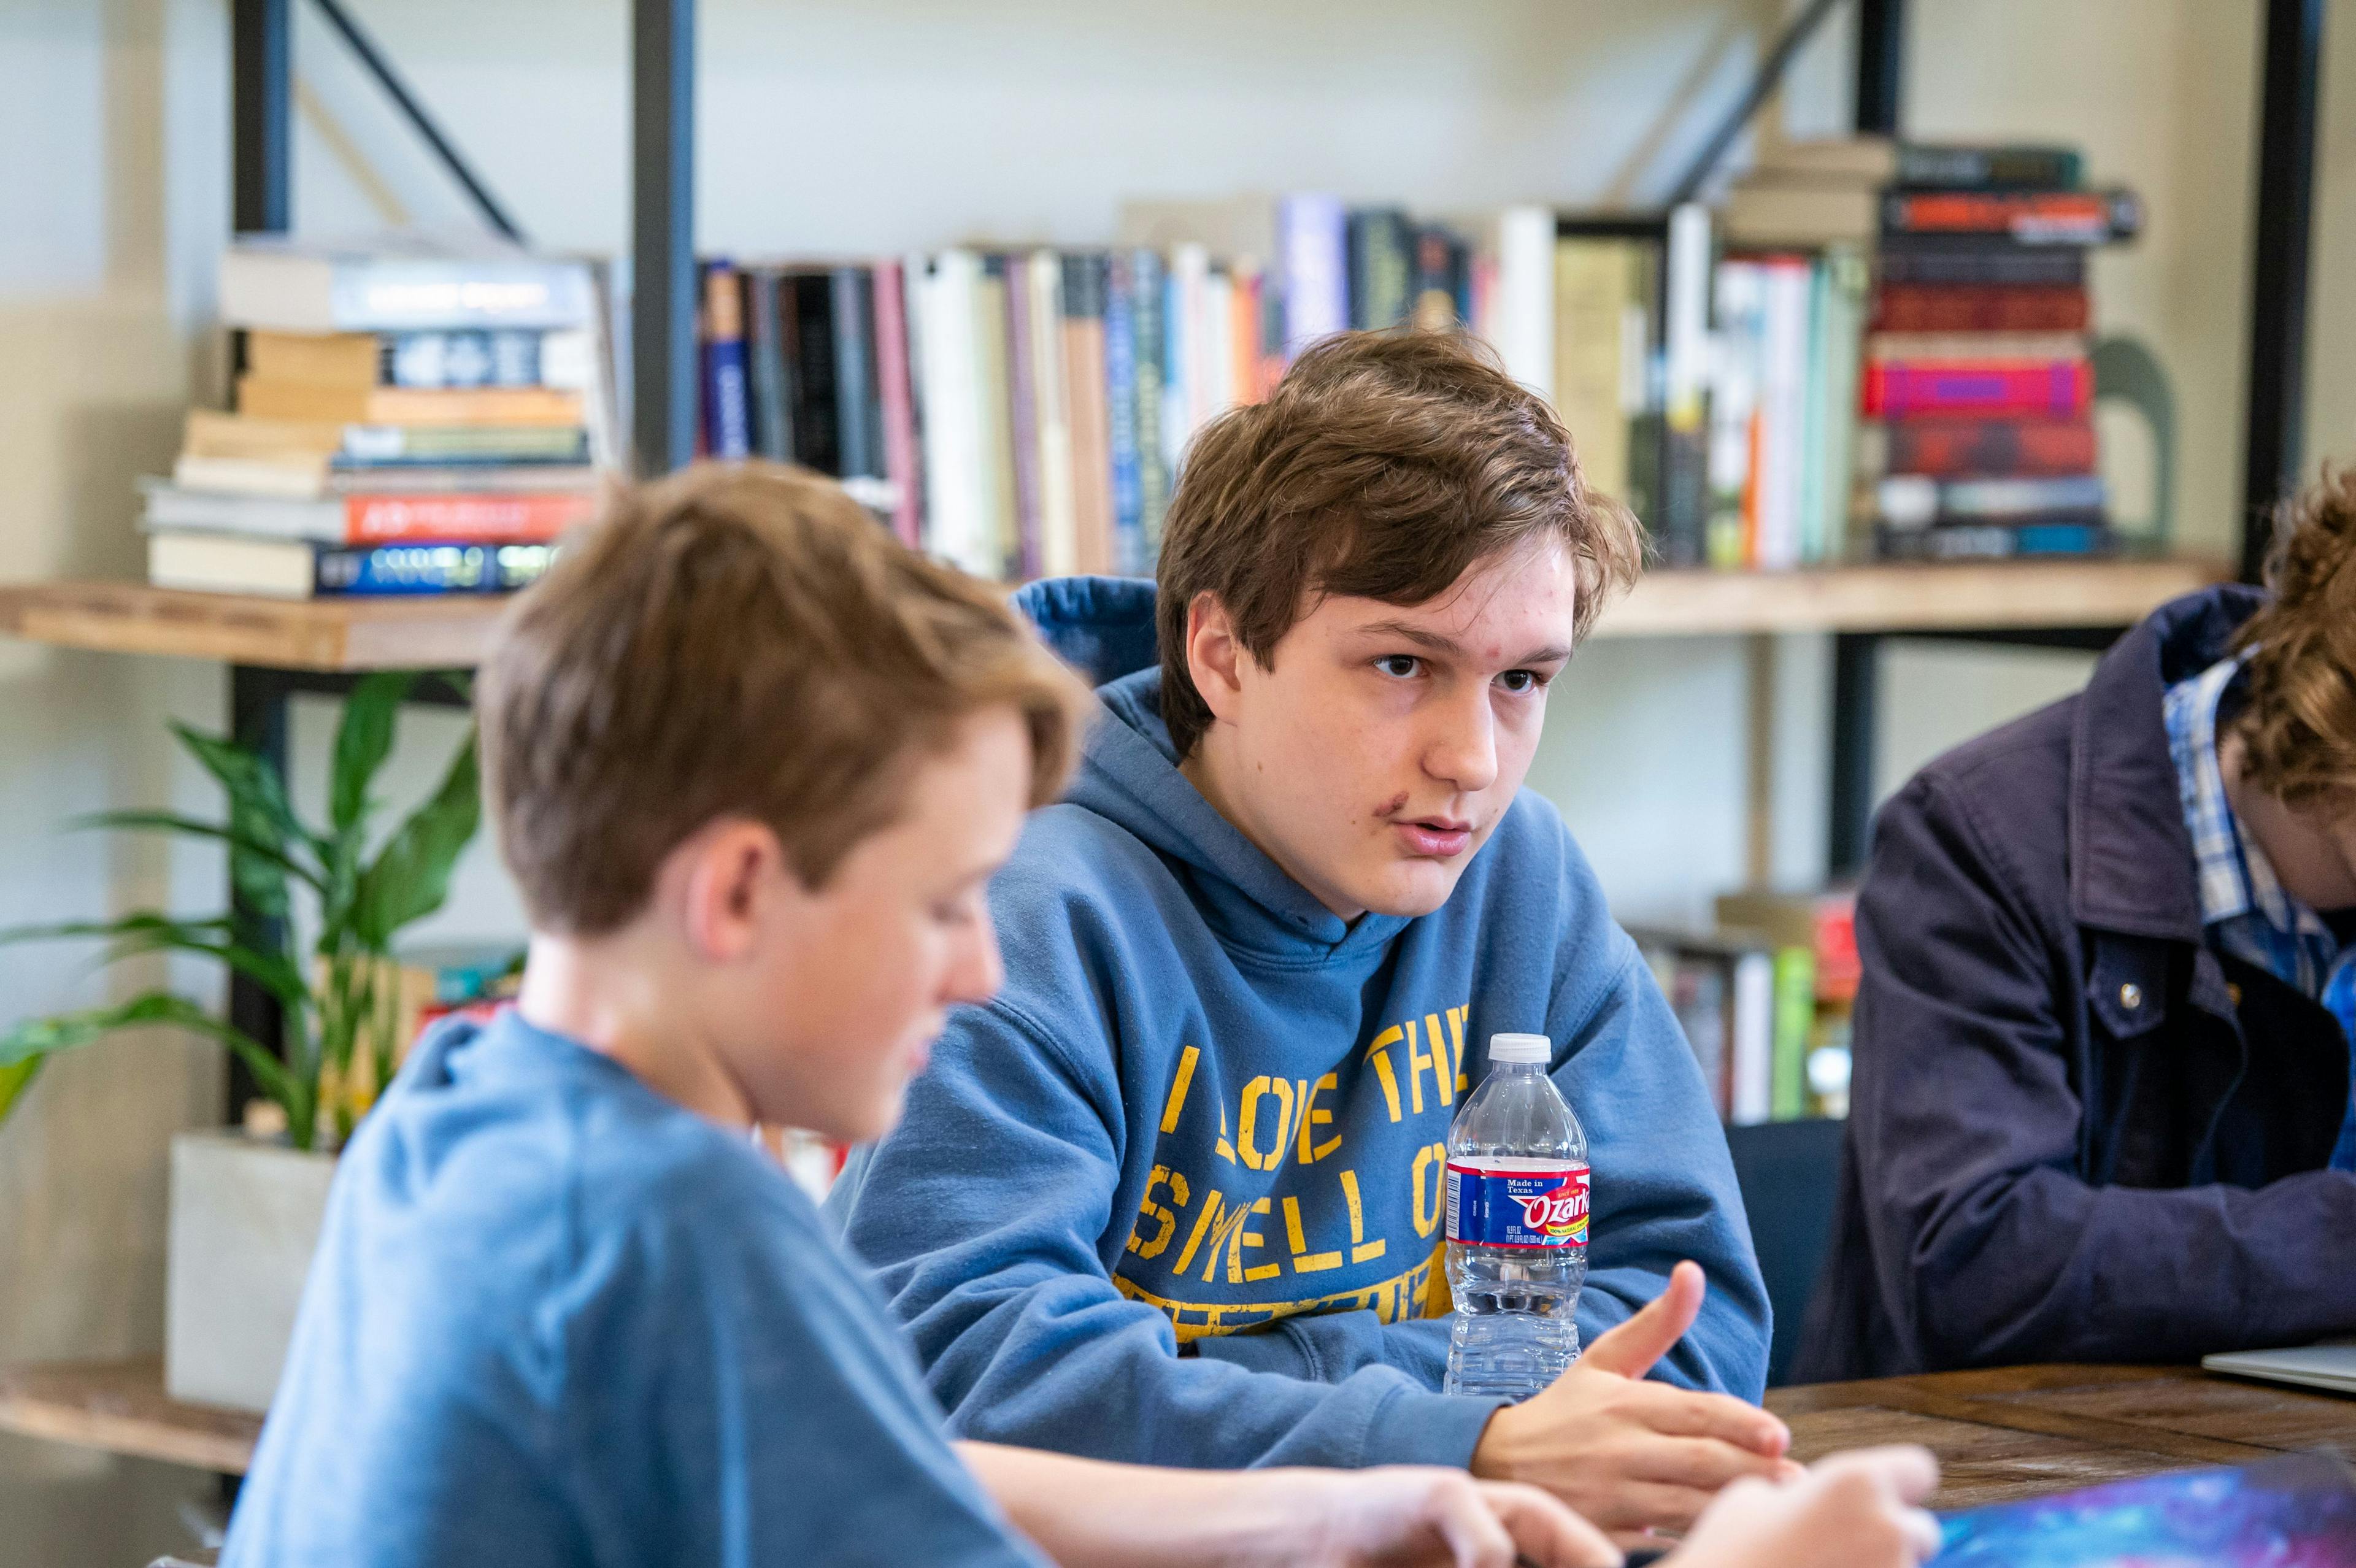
[1439, 644]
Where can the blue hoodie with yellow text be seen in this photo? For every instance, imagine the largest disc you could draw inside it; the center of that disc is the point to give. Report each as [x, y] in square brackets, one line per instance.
[1175, 1196]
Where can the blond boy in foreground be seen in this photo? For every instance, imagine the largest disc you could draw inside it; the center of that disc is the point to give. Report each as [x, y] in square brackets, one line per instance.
[752, 766]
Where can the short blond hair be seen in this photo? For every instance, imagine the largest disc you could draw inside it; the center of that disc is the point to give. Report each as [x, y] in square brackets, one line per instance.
[739, 640]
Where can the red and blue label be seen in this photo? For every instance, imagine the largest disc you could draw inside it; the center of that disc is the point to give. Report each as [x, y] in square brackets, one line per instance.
[1505, 1203]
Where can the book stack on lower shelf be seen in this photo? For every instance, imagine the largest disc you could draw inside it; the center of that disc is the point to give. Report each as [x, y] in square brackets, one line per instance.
[1764, 1001]
[410, 420]
[1977, 365]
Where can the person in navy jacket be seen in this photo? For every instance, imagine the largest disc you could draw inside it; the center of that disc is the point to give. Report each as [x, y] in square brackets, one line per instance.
[2102, 1102]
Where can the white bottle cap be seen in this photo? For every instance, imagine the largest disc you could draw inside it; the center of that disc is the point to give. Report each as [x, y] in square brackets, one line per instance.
[1521, 1048]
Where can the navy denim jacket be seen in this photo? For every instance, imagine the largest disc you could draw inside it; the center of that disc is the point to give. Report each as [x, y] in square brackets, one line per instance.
[2076, 1133]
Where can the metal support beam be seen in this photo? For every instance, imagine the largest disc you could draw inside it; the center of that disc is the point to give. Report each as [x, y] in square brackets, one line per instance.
[1763, 83]
[2280, 242]
[257, 720]
[1856, 679]
[662, 233]
[261, 145]
[1880, 65]
[427, 128]
[1857, 657]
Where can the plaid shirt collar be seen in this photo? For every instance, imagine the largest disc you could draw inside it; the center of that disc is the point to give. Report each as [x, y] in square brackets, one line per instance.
[2243, 905]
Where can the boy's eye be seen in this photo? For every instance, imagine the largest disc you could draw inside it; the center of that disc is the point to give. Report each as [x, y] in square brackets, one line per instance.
[1523, 680]
[1401, 666]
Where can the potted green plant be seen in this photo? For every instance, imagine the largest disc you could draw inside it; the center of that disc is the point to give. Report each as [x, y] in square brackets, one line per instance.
[246, 1209]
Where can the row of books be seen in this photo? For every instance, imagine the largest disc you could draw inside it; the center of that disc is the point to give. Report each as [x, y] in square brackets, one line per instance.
[1764, 1000]
[1024, 412]
[410, 417]
[1975, 387]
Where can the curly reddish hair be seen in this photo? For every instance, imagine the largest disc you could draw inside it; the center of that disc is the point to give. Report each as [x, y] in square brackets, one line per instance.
[2299, 727]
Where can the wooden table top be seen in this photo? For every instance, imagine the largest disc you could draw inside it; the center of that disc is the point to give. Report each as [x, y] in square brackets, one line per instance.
[2022, 1432]
[2016, 1432]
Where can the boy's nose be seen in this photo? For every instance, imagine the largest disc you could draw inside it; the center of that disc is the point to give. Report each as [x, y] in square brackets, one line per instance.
[1464, 753]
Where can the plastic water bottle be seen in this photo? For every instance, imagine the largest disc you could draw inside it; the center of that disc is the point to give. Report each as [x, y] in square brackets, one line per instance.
[1518, 1200]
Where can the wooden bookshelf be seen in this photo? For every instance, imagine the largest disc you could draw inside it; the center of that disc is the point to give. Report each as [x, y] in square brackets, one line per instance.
[1963, 596]
[120, 1407]
[452, 633]
[441, 633]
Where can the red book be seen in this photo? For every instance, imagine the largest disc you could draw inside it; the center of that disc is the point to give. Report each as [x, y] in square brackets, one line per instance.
[1978, 307]
[474, 519]
[896, 394]
[2030, 217]
[2054, 388]
[1951, 448]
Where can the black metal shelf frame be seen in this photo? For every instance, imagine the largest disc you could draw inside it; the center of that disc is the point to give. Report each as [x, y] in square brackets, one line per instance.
[663, 368]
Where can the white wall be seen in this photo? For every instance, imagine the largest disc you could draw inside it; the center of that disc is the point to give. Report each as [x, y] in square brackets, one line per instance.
[866, 124]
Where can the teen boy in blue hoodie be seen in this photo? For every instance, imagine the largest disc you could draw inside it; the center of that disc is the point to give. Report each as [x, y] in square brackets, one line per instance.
[751, 764]
[1174, 1195]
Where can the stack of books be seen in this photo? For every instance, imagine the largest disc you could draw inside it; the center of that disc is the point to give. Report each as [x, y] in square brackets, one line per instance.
[1976, 364]
[409, 418]
[1789, 293]
[1764, 999]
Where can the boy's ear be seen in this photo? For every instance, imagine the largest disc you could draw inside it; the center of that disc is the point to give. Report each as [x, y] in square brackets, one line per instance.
[731, 867]
[1213, 654]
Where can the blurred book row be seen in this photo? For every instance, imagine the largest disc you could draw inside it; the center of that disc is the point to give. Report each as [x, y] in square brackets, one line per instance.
[1764, 1000]
[1869, 349]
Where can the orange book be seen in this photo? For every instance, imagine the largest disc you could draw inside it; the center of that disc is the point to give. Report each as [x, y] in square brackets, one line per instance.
[316, 403]
[472, 519]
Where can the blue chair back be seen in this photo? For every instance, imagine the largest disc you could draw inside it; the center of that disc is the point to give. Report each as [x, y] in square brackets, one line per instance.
[1788, 1172]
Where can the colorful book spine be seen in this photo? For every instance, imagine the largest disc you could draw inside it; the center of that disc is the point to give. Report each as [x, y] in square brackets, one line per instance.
[1121, 415]
[478, 517]
[851, 295]
[400, 570]
[1988, 168]
[1895, 390]
[1022, 421]
[1381, 249]
[1996, 541]
[896, 400]
[727, 405]
[1796, 1022]
[1313, 237]
[773, 430]
[818, 419]
[1990, 261]
[1059, 525]
[1980, 307]
[1082, 324]
[1146, 311]
[2029, 218]
[1948, 448]
[399, 447]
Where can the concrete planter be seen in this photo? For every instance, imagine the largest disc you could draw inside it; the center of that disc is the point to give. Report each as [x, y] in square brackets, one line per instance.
[245, 1220]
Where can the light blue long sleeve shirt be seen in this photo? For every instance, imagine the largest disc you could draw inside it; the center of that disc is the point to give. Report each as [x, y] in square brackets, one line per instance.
[556, 1319]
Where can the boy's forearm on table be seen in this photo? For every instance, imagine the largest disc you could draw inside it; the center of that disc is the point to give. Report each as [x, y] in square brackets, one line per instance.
[1089, 1513]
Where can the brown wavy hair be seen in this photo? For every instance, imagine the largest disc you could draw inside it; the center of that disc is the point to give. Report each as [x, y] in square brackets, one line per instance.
[1382, 468]
[738, 641]
[2298, 726]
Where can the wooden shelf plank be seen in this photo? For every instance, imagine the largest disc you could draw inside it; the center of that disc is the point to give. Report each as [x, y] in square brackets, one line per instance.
[1990, 595]
[440, 633]
[453, 632]
[120, 1407]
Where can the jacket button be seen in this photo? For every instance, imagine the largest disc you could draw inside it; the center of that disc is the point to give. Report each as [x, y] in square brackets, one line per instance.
[2130, 995]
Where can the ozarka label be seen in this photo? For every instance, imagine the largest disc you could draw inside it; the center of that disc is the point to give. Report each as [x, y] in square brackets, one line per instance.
[1505, 1203]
